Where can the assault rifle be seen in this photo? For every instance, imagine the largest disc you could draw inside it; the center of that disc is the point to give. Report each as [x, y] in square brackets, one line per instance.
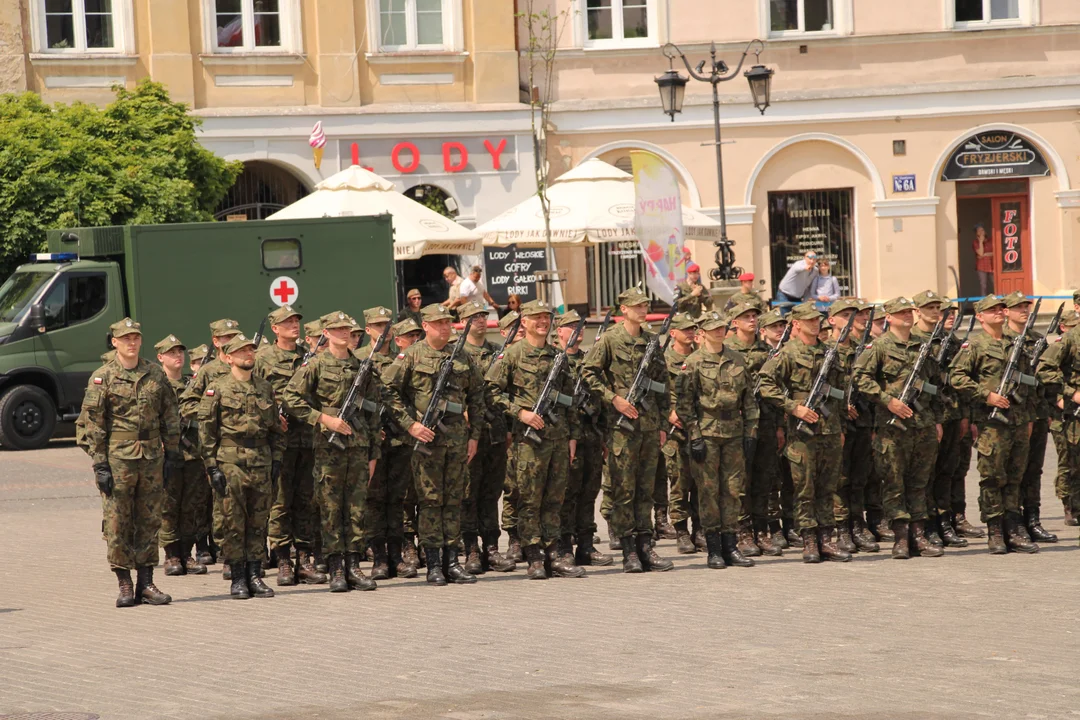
[259, 334]
[353, 398]
[512, 332]
[913, 386]
[1042, 343]
[1012, 378]
[439, 406]
[643, 384]
[950, 344]
[849, 394]
[549, 394]
[315, 350]
[581, 388]
[821, 391]
[773, 352]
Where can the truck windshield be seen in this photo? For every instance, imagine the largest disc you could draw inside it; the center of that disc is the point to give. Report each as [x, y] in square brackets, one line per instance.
[18, 291]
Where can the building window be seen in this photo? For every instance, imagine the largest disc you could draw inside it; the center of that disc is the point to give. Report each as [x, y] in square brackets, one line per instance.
[283, 254]
[620, 23]
[249, 26]
[984, 12]
[801, 16]
[82, 26]
[818, 220]
[414, 25]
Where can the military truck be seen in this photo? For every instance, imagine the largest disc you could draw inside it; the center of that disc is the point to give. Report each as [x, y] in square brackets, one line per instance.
[55, 311]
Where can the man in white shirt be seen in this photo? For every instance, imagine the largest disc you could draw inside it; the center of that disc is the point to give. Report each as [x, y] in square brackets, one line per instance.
[473, 290]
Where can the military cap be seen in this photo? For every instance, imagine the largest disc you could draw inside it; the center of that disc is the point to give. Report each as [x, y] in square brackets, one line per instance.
[198, 354]
[568, 318]
[313, 328]
[433, 312]
[1069, 318]
[224, 327]
[282, 314]
[898, 304]
[413, 293]
[127, 326]
[508, 319]
[843, 304]
[1015, 298]
[165, 345]
[469, 309]
[926, 297]
[633, 296]
[770, 318]
[711, 320]
[337, 319]
[356, 326]
[406, 326]
[239, 341]
[988, 302]
[1076, 297]
[805, 311]
[684, 321]
[378, 314]
[536, 307]
[741, 308]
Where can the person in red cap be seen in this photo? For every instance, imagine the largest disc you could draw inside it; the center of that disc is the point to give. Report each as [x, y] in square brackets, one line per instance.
[693, 296]
[746, 295]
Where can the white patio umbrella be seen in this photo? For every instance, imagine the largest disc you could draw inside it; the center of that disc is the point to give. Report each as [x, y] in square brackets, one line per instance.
[418, 230]
[593, 203]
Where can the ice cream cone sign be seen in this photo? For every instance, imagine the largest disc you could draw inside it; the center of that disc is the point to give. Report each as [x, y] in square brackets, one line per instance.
[317, 141]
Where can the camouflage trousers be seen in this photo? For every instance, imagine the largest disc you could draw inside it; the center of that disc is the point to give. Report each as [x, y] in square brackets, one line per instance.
[487, 477]
[1031, 483]
[1071, 435]
[631, 465]
[131, 516]
[764, 496]
[440, 485]
[850, 498]
[542, 473]
[1003, 454]
[815, 470]
[183, 508]
[578, 514]
[939, 489]
[660, 483]
[384, 515]
[683, 504]
[1061, 447]
[511, 497]
[787, 488]
[905, 461]
[245, 510]
[721, 484]
[292, 513]
[958, 486]
[341, 483]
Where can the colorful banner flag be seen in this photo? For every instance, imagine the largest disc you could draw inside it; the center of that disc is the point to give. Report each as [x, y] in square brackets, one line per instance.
[658, 223]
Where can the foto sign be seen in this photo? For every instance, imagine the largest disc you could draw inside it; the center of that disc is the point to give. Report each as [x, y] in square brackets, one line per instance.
[903, 183]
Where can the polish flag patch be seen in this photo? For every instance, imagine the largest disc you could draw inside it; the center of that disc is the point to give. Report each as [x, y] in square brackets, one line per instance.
[210, 392]
[965, 345]
[97, 381]
[400, 355]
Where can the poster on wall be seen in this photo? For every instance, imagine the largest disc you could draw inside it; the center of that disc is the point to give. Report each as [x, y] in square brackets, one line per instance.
[510, 270]
[995, 154]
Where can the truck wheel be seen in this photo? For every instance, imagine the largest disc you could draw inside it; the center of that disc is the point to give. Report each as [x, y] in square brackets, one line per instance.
[27, 418]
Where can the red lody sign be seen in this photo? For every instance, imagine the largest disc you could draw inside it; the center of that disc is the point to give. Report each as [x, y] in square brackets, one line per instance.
[436, 156]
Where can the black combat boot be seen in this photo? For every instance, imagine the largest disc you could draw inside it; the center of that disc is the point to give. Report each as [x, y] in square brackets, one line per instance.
[286, 575]
[765, 540]
[995, 543]
[684, 544]
[433, 561]
[900, 550]
[922, 543]
[355, 576]
[561, 564]
[966, 529]
[202, 547]
[513, 546]
[1035, 529]
[495, 560]
[396, 561]
[745, 541]
[255, 581]
[664, 528]
[126, 598]
[305, 570]
[930, 530]
[1016, 536]
[729, 549]
[844, 541]
[795, 539]
[631, 563]
[192, 566]
[809, 543]
[647, 554]
[335, 563]
[380, 563]
[534, 556]
[473, 564]
[777, 533]
[239, 588]
[716, 553]
[173, 565]
[948, 532]
[455, 573]
[861, 535]
[829, 549]
[587, 554]
[613, 542]
[146, 591]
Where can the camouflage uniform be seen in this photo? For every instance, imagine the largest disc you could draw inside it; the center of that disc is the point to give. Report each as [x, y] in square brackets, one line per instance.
[508, 518]
[857, 464]
[674, 460]
[670, 469]
[586, 475]
[752, 299]
[1057, 417]
[694, 306]
[183, 513]
[1059, 372]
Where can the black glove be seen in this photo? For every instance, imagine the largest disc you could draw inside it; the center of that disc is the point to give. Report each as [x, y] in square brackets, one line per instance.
[749, 446]
[275, 471]
[174, 463]
[697, 449]
[103, 478]
[217, 481]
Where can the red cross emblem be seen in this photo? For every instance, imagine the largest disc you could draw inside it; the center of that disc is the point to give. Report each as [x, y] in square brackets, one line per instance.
[283, 291]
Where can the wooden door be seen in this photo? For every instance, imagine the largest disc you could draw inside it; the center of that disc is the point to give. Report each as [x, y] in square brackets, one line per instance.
[1012, 244]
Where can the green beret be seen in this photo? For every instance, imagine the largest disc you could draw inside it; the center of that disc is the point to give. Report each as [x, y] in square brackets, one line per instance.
[927, 297]
[535, 307]
[844, 304]
[127, 326]
[683, 321]
[406, 326]
[338, 319]
[239, 341]
[199, 353]
[282, 314]
[743, 307]
[378, 314]
[433, 312]
[805, 311]
[508, 319]
[633, 296]
[224, 327]
[568, 318]
[165, 345]
[898, 304]
[1015, 298]
[469, 309]
[711, 320]
[988, 302]
[771, 317]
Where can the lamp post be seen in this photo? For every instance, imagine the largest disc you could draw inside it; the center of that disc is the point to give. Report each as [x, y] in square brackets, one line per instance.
[672, 92]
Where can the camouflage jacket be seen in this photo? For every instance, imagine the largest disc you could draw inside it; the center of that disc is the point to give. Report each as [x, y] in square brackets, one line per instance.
[189, 401]
[846, 360]
[238, 423]
[1038, 408]
[883, 370]
[1059, 370]
[515, 383]
[1051, 360]
[130, 414]
[717, 398]
[319, 387]
[589, 417]
[674, 361]
[976, 372]
[189, 436]
[610, 367]
[949, 399]
[787, 378]
[277, 366]
[481, 356]
[693, 306]
[754, 357]
[410, 383]
[748, 298]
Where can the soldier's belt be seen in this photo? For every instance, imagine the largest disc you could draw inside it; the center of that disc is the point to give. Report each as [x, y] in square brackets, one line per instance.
[244, 442]
[723, 414]
[140, 435]
[452, 407]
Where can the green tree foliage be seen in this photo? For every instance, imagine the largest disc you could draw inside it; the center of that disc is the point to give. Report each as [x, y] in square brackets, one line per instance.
[135, 161]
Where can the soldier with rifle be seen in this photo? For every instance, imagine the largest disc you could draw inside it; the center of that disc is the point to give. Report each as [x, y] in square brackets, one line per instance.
[436, 395]
[804, 381]
[626, 372]
[770, 467]
[857, 464]
[512, 331]
[397, 459]
[984, 372]
[1050, 367]
[675, 454]
[892, 374]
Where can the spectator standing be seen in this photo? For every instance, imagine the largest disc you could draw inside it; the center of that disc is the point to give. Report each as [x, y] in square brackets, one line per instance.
[412, 307]
[824, 287]
[513, 304]
[454, 281]
[472, 289]
[796, 282]
[984, 260]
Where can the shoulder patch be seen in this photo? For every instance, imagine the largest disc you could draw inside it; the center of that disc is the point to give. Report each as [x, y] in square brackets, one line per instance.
[400, 355]
[683, 366]
[869, 345]
[304, 364]
[500, 357]
[98, 381]
[966, 344]
[210, 392]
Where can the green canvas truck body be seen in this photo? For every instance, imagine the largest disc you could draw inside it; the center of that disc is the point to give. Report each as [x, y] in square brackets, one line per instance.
[55, 311]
